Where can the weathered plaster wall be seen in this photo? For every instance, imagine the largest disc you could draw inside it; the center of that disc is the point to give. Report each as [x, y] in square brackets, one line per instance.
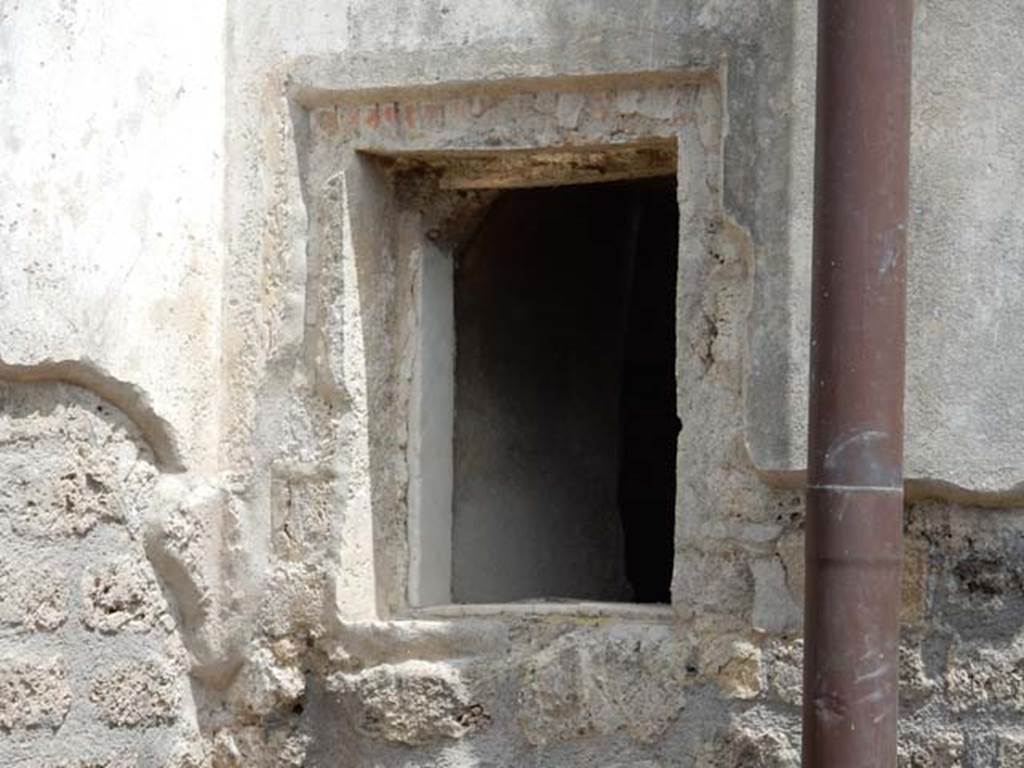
[111, 195]
[966, 232]
[177, 234]
[111, 180]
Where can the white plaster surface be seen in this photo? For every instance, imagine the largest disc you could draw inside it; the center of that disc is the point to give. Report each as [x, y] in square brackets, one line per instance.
[111, 189]
[963, 418]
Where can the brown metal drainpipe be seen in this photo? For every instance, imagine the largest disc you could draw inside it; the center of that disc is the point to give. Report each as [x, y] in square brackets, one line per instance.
[855, 452]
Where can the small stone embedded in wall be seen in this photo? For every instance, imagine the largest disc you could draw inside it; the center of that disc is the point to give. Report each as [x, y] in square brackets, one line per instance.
[298, 595]
[120, 594]
[715, 582]
[914, 581]
[986, 572]
[55, 493]
[192, 753]
[775, 610]
[915, 685]
[785, 671]
[790, 549]
[933, 748]
[302, 516]
[589, 683]
[735, 664]
[118, 759]
[253, 746]
[33, 598]
[985, 678]
[743, 746]
[66, 458]
[80, 501]
[1010, 750]
[137, 694]
[410, 703]
[266, 684]
[34, 693]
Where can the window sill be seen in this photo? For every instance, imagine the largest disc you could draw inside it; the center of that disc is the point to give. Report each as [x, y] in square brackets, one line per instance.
[567, 609]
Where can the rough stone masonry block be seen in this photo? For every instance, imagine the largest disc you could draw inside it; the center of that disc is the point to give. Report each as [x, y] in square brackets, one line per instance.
[785, 671]
[302, 515]
[32, 598]
[914, 581]
[1010, 750]
[935, 748]
[189, 752]
[256, 746]
[267, 683]
[68, 460]
[120, 594]
[595, 683]
[34, 693]
[137, 694]
[985, 678]
[411, 703]
[49, 493]
[118, 759]
[744, 746]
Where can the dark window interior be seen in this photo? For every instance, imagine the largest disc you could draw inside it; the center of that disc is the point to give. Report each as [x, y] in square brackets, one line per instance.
[565, 396]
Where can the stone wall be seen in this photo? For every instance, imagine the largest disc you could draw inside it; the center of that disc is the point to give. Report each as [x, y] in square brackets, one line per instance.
[206, 325]
[92, 667]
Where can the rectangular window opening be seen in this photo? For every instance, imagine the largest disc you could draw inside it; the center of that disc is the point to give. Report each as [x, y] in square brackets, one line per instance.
[564, 433]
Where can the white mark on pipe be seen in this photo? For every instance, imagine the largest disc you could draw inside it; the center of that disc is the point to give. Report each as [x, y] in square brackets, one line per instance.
[891, 241]
[880, 671]
[842, 444]
[857, 488]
